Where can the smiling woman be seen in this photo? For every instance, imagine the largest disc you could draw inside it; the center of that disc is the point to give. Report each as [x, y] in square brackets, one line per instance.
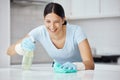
[65, 43]
[56, 30]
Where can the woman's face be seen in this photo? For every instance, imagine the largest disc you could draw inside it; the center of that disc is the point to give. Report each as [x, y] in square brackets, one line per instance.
[53, 23]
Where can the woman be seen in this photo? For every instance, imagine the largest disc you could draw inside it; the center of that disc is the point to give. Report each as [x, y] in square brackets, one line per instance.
[65, 43]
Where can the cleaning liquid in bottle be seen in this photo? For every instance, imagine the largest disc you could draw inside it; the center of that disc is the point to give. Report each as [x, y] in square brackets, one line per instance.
[27, 60]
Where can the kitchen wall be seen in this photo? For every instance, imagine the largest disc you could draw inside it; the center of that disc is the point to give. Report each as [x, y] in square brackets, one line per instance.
[102, 33]
[4, 32]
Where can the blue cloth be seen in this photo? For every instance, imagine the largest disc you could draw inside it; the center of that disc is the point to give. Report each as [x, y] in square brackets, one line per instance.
[27, 44]
[65, 68]
[68, 65]
[70, 52]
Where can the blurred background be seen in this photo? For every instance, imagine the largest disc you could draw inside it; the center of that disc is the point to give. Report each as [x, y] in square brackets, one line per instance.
[100, 19]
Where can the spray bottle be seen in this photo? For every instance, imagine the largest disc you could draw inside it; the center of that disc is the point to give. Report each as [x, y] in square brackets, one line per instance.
[28, 58]
[27, 55]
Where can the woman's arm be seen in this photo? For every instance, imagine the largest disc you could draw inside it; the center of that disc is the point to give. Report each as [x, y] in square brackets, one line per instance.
[11, 50]
[86, 55]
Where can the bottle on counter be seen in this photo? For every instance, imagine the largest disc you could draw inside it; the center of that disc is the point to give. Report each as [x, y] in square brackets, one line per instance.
[28, 57]
[27, 60]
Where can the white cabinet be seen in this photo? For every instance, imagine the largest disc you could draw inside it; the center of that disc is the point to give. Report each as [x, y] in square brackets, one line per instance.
[110, 8]
[84, 9]
[80, 9]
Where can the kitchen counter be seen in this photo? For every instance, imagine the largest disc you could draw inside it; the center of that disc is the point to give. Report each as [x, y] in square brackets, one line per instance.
[45, 72]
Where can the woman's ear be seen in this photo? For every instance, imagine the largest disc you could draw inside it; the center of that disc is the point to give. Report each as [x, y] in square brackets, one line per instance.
[64, 19]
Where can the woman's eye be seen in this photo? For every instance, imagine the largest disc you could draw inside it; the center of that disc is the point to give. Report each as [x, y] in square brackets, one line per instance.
[56, 21]
[47, 21]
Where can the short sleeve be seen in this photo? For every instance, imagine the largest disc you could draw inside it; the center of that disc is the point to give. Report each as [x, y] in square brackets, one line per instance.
[79, 35]
[35, 33]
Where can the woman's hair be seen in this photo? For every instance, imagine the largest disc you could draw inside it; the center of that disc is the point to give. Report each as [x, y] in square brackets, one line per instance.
[55, 8]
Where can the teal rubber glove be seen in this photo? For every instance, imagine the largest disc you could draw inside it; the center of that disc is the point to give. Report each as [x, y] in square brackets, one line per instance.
[65, 68]
[27, 44]
[68, 65]
[58, 69]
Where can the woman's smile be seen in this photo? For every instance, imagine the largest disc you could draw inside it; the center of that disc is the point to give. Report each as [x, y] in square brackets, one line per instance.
[52, 30]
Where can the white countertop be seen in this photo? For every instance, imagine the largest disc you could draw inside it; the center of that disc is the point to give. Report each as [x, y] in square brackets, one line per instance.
[45, 72]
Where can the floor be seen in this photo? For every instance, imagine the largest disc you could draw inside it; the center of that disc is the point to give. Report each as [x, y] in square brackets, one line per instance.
[45, 72]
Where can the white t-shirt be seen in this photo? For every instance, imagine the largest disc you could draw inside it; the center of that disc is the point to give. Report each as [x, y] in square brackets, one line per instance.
[70, 52]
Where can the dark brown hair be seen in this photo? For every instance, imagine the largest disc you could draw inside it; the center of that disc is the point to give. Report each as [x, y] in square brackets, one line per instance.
[55, 8]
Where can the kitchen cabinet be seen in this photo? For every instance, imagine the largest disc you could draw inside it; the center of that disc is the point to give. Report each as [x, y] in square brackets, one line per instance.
[82, 9]
[110, 8]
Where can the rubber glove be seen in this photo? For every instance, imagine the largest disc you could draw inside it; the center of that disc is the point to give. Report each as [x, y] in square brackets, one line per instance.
[28, 44]
[57, 68]
[65, 68]
[69, 67]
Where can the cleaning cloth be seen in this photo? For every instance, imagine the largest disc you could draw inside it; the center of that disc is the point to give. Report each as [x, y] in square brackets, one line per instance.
[58, 69]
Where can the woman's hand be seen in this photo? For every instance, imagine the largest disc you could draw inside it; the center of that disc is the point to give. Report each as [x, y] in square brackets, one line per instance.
[27, 44]
[69, 65]
[11, 50]
[64, 68]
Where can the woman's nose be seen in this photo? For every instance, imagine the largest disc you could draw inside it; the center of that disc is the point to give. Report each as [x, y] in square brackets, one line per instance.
[52, 25]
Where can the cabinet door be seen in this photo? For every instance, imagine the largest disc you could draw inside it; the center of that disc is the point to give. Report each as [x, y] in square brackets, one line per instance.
[84, 9]
[66, 4]
[110, 8]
